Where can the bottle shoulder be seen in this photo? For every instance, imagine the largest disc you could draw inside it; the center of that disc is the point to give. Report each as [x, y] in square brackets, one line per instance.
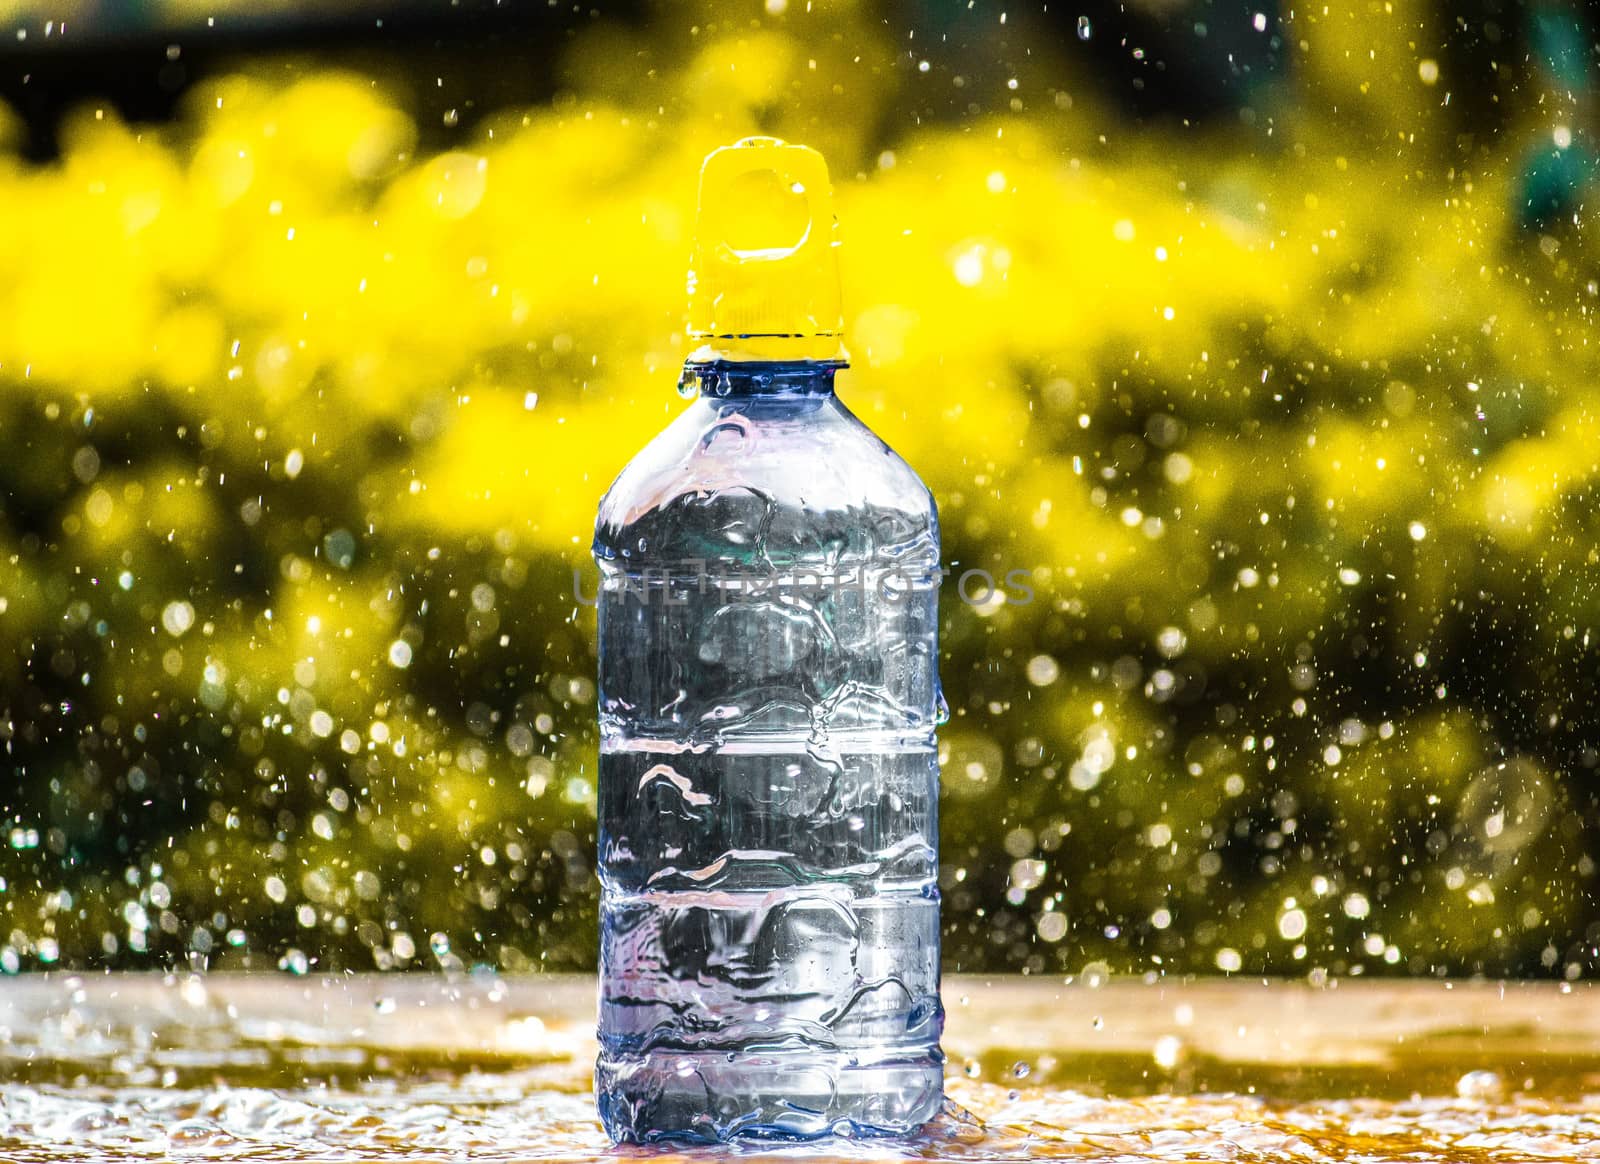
[767, 482]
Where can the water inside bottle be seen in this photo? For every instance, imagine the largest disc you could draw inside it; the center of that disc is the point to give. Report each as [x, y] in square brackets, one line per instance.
[769, 779]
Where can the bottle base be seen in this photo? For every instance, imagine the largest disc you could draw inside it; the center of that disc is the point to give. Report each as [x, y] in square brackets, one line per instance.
[713, 1096]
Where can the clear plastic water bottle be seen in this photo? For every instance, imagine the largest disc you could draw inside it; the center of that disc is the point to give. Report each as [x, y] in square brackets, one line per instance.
[769, 961]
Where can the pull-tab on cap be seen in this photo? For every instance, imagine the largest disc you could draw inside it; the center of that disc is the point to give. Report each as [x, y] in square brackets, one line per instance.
[764, 282]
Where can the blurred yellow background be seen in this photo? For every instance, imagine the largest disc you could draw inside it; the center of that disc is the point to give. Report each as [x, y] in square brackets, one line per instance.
[1292, 413]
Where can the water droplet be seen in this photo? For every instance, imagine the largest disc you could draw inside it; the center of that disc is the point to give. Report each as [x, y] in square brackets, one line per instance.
[1168, 1050]
[177, 617]
[1485, 1085]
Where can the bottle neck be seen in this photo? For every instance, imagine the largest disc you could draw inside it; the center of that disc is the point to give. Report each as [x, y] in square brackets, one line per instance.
[772, 378]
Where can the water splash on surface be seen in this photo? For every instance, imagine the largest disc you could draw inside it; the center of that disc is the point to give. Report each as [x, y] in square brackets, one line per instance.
[485, 1069]
[515, 1117]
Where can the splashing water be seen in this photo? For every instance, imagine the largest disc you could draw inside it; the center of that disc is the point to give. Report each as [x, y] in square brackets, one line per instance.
[487, 1069]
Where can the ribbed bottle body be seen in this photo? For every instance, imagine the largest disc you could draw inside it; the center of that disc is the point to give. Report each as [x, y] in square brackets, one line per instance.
[768, 777]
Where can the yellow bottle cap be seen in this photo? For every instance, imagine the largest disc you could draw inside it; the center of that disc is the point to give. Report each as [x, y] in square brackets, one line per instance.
[764, 281]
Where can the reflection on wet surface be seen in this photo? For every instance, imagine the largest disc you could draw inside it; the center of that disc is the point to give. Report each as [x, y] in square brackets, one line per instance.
[496, 1069]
